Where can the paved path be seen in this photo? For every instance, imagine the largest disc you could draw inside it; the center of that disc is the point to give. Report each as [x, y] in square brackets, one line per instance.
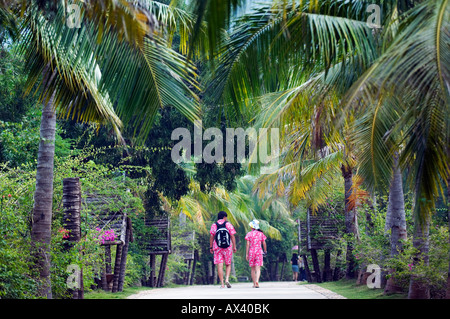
[267, 290]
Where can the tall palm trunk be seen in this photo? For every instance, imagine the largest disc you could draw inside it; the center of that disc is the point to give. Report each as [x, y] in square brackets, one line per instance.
[351, 224]
[447, 296]
[43, 197]
[395, 221]
[418, 289]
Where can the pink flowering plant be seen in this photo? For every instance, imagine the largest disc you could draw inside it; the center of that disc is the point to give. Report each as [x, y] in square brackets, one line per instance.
[105, 235]
[64, 232]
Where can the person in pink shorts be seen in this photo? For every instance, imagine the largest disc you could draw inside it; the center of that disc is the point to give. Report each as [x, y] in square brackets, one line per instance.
[254, 251]
[222, 243]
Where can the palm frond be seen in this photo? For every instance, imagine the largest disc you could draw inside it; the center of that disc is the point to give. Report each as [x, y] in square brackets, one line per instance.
[65, 53]
[260, 58]
[136, 79]
[415, 68]
[8, 24]
[377, 142]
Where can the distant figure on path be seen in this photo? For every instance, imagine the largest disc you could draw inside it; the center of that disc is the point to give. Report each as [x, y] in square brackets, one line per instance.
[222, 243]
[254, 252]
[295, 268]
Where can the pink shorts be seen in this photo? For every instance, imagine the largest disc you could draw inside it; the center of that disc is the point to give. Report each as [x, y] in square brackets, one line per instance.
[222, 255]
[255, 260]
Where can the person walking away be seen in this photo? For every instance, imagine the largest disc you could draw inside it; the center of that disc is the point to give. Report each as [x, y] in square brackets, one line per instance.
[295, 268]
[254, 252]
[222, 243]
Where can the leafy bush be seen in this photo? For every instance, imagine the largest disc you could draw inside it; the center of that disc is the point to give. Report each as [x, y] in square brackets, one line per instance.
[373, 247]
[432, 275]
[17, 279]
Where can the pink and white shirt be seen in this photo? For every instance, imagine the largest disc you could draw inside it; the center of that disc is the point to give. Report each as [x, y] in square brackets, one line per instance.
[255, 253]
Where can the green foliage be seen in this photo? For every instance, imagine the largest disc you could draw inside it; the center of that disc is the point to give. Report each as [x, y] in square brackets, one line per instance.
[20, 141]
[16, 207]
[373, 247]
[266, 51]
[433, 274]
[16, 281]
[350, 290]
[13, 101]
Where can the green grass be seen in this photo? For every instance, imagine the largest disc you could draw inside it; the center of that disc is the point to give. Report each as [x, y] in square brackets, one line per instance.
[350, 290]
[100, 294]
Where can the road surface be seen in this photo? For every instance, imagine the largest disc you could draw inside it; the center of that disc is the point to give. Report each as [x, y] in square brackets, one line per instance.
[267, 290]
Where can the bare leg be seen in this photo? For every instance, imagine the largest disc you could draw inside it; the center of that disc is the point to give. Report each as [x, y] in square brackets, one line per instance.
[227, 274]
[220, 273]
[257, 275]
[253, 272]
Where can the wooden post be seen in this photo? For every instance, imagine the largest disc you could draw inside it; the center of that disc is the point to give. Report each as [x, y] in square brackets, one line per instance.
[308, 228]
[72, 222]
[104, 281]
[299, 234]
[108, 271]
[307, 270]
[117, 267]
[327, 266]
[187, 273]
[162, 270]
[152, 270]
[123, 261]
[337, 269]
[72, 206]
[194, 262]
[316, 265]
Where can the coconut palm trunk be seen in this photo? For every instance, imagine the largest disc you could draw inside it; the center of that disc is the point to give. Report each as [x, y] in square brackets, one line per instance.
[447, 296]
[417, 288]
[448, 212]
[43, 198]
[395, 221]
[350, 219]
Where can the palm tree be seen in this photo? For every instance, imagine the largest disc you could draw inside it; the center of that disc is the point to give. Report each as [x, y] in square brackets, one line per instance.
[290, 49]
[309, 173]
[395, 220]
[447, 295]
[415, 68]
[54, 86]
[83, 78]
[276, 48]
[399, 69]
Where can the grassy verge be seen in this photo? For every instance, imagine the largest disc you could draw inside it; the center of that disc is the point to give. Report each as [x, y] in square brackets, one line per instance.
[100, 294]
[350, 290]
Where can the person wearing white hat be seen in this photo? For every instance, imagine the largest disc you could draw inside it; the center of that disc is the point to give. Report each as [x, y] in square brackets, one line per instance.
[254, 252]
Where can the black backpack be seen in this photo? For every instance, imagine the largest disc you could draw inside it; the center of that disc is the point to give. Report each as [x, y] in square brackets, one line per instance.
[222, 236]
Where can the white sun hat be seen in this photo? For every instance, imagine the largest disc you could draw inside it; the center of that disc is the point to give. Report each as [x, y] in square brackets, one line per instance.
[254, 224]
